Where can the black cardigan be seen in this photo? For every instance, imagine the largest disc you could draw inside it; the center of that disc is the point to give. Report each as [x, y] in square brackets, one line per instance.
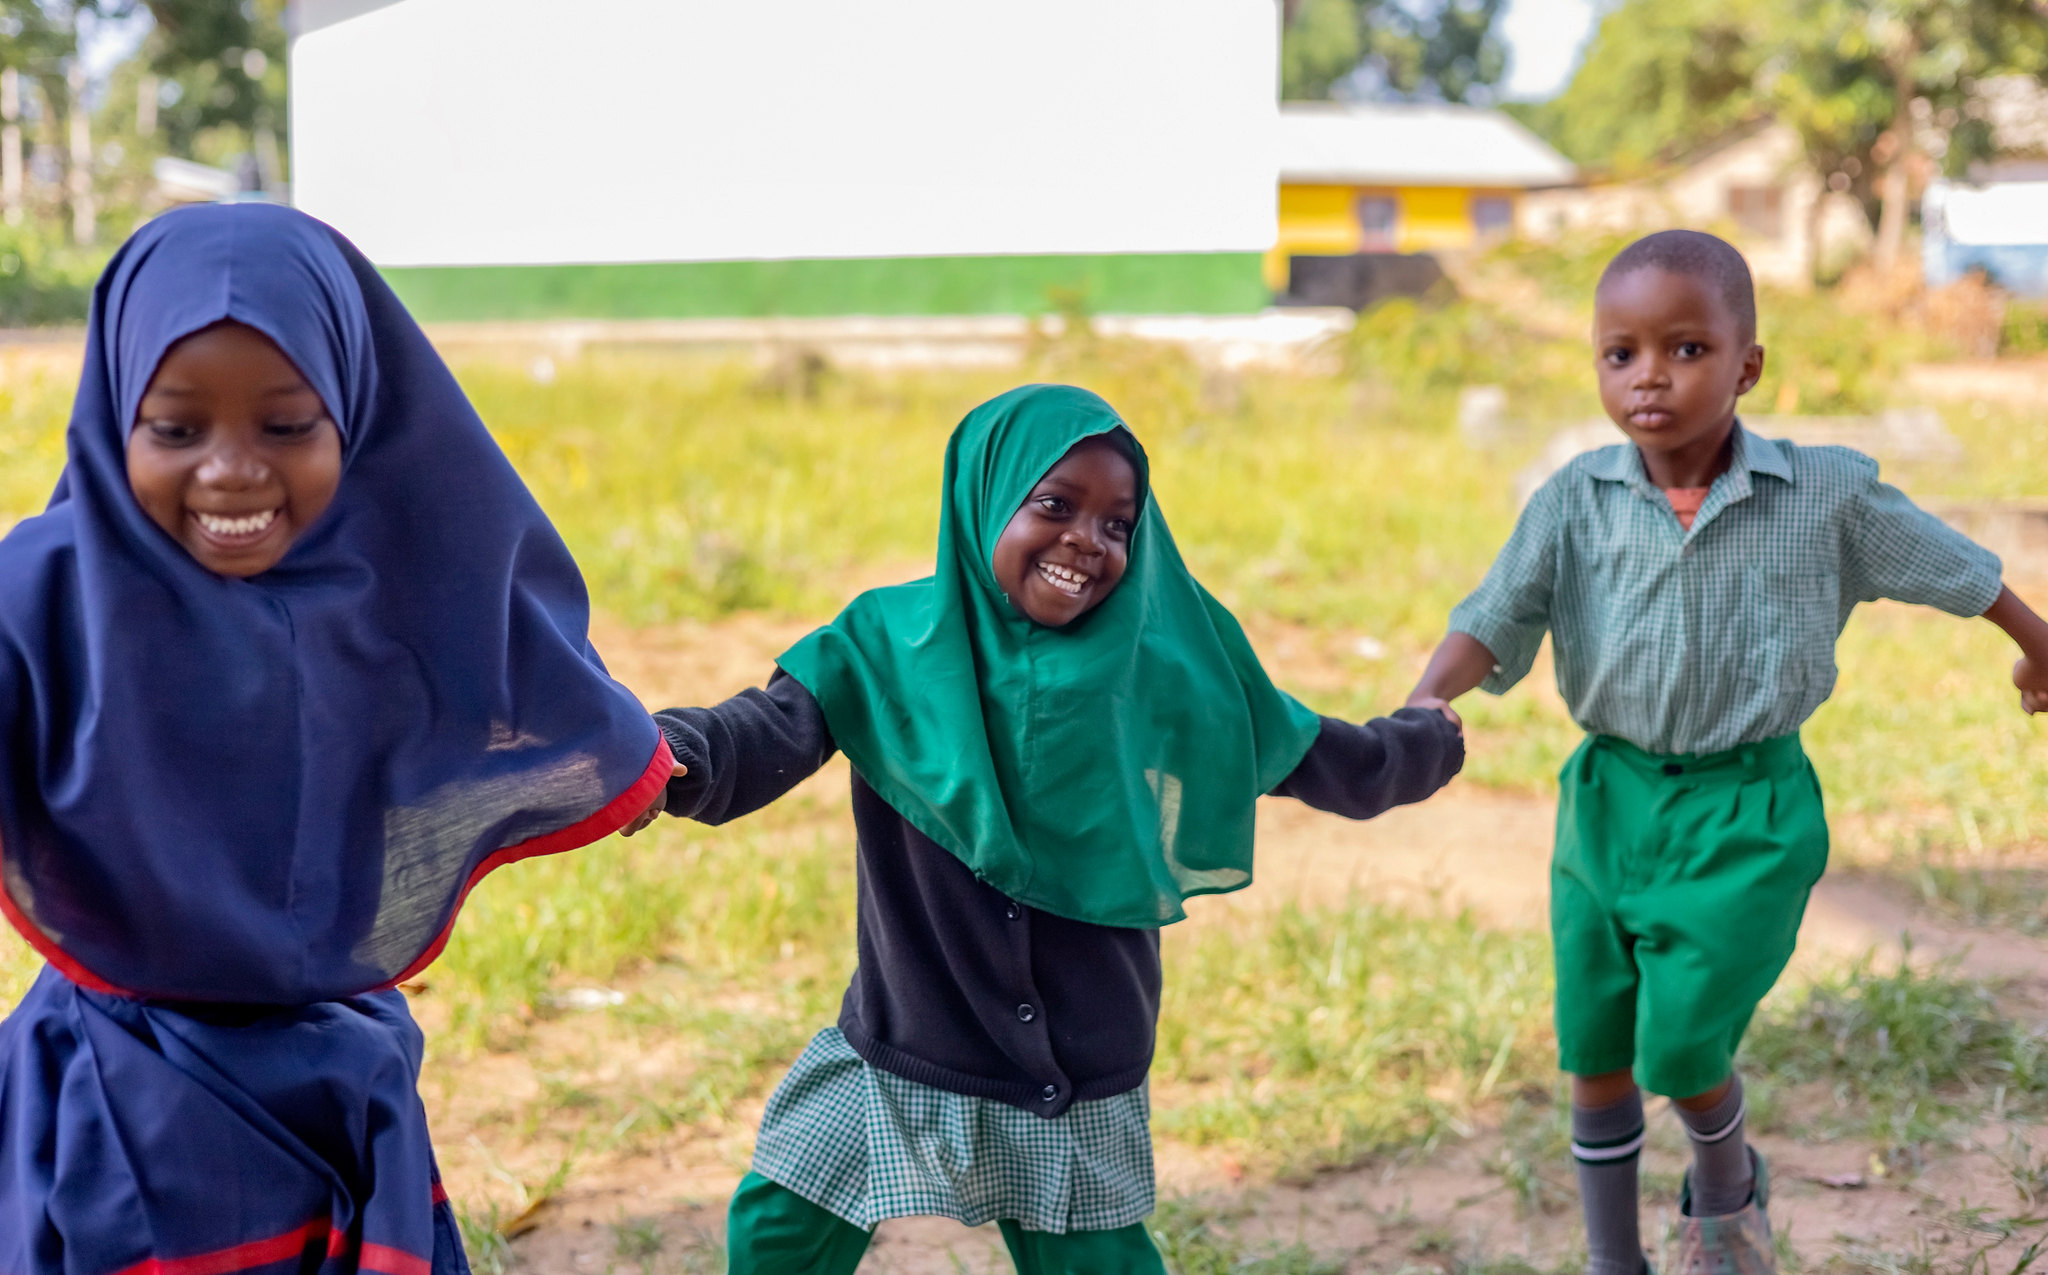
[966, 990]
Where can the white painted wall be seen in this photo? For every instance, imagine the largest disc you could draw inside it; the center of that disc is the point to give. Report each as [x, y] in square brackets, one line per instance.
[457, 132]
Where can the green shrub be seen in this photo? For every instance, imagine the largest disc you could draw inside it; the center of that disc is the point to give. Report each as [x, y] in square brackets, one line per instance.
[2025, 332]
[44, 280]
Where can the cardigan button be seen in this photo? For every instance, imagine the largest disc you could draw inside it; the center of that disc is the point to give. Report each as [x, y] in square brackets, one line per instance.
[1013, 911]
[1049, 1093]
[1673, 768]
[1025, 1013]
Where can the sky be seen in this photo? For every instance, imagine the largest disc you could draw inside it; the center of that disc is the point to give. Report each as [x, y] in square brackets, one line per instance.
[1546, 37]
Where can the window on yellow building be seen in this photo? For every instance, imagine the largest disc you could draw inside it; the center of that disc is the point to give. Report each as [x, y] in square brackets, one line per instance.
[1379, 218]
[1493, 216]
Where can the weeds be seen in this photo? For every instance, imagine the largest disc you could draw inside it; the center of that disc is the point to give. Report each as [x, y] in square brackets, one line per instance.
[1965, 1242]
[636, 1241]
[1202, 1240]
[1534, 1160]
[2028, 1169]
[489, 1251]
[1905, 1052]
[2011, 895]
[1306, 1040]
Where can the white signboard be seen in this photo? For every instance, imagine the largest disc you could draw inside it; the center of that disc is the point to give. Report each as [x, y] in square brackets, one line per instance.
[470, 132]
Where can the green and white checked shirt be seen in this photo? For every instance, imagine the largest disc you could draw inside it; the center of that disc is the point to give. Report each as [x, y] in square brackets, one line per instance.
[1692, 642]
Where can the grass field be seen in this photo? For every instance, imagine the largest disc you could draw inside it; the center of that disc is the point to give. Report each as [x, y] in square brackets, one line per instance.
[1344, 507]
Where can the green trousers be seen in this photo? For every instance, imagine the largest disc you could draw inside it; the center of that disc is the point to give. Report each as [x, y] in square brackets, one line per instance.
[771, 1230]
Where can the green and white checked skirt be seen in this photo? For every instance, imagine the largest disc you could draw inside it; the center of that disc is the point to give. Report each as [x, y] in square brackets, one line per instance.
[866, 1144]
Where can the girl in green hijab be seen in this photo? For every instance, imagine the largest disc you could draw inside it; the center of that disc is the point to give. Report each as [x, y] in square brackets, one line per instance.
[1056, 740]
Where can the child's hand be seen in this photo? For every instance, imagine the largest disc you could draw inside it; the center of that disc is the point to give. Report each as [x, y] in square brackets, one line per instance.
[653, 811]
[2031, 677]
[1419, 700]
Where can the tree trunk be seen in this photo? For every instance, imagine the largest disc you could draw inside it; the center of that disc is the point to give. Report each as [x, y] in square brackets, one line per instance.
[269, 161]
[1898, 184]
[10, 144]
[1816, 226]
[84, 208]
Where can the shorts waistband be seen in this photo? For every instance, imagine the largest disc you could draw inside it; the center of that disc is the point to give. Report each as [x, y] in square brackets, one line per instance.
[1764, 757]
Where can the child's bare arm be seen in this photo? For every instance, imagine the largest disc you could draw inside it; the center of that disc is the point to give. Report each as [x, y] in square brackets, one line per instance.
[1460, 664]
[2030, 632]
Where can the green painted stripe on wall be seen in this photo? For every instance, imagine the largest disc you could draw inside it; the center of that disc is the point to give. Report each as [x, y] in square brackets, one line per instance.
[1119, 283]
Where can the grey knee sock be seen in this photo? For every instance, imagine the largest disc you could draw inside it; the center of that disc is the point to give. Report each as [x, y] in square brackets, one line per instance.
[1721, 1175]
[1607, 1144]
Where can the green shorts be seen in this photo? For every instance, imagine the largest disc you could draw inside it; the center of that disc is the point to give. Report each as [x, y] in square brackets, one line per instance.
[1675, 899]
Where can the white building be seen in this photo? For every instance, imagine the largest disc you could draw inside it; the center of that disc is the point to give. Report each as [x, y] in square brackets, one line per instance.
[675, 158]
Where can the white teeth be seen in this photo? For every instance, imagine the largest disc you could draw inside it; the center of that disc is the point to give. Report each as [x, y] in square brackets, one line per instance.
[1065, 579]
[236, 526]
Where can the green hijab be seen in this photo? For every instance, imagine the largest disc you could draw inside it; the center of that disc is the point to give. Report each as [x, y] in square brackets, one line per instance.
[1105, 771]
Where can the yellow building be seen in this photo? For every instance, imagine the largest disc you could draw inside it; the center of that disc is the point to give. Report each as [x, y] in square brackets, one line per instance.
[1400, 178]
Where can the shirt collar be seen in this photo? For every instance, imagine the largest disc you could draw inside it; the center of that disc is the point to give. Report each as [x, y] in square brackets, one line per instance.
[1753, 455]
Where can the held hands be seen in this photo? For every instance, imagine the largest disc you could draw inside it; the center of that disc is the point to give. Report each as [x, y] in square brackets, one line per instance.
[653, 811]
[2031, 676]
[1419, 700]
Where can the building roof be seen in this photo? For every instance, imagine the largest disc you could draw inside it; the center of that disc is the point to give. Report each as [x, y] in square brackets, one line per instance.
[1412, 144]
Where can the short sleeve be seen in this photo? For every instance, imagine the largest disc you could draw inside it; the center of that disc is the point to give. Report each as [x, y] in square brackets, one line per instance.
[1510, 610]
[1897, 550]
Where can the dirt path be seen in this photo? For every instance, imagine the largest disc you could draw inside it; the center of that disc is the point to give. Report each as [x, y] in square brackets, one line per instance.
[1448, 1210]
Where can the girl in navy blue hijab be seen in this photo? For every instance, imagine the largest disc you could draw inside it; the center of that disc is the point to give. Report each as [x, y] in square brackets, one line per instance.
[289, 663]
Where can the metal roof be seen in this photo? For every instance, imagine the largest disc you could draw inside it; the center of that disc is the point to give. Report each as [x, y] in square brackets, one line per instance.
[1412, 144]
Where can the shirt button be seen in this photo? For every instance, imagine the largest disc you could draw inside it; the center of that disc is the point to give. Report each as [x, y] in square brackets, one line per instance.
[1013, 911]
[1049, 1093]
[1025, 1013]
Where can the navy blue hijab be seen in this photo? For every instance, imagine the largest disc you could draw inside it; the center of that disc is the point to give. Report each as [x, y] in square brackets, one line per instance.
[277, 790]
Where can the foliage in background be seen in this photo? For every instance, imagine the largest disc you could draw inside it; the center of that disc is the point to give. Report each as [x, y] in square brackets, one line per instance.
[2024, 331]
[1867, 84]
[203, 47]
[1658, 77]
[44, 279]
[1870, 83]
[1428, 49]
[206, 82]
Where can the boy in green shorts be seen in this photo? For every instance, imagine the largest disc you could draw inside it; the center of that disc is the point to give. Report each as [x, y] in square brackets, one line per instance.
[1694, 580]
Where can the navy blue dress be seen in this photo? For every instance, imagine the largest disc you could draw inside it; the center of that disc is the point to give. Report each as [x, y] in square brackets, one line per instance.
[234, 813]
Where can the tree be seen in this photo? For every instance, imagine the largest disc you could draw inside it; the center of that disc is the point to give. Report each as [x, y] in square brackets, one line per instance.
[1880, 86]
[221, 63]
[1658, 77]
[41, 45]
[1433, 49]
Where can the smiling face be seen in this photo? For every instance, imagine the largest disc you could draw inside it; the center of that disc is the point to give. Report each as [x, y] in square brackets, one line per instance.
[233, 454]
[1673, 359]
[1068, 543]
